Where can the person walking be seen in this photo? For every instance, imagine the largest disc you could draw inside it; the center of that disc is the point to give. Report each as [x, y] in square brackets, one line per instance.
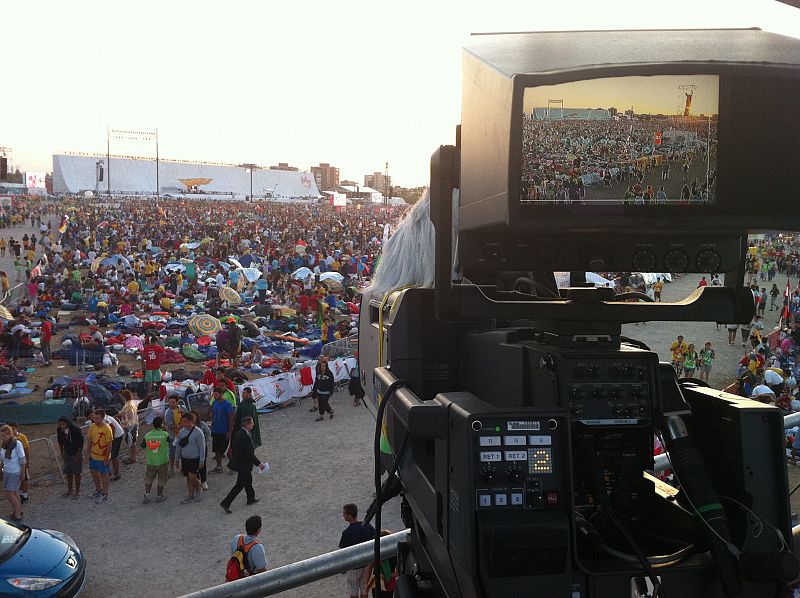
[678, 350]
[191, 451]
[70, 443]
[355, 533]
[243, 458]
[172, 423]
[46, 337]
[26, 471]
[12, 461]
[206, 430]
[252, 549]
[222, 415]
[128, 417]
[101, 437]
[247, 408]
[773, 293]
[690, 360]
[156, 443]
[152, 356]
[323, 389]
[706, 360]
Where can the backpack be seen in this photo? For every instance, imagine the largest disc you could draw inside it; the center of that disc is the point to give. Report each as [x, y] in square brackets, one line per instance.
[237, 564]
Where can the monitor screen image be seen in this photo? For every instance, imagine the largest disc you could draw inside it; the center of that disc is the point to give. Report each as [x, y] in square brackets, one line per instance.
[627, 141]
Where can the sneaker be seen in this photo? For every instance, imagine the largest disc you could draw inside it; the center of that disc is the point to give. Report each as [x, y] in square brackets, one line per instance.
[187, 500]
[205, 486]
[161, 498]
[146, 499]
[254, 501]
[96, 494]
[100, 498]
[24, 499]
[227, 509]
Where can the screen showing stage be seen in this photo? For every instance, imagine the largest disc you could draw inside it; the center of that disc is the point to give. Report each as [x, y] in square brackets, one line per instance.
[631, 141]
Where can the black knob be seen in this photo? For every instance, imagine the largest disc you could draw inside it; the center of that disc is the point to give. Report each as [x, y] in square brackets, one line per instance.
[593, 371]
[488, 474]
[514, 473]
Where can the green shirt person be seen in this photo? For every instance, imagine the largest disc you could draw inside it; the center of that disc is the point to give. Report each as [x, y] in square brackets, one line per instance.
[247, 408]
[157, 456]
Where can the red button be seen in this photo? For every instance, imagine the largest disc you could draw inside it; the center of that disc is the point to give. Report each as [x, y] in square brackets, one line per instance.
[552, 498]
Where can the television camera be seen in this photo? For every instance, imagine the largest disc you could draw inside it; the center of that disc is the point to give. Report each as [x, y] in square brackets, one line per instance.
[514, 417]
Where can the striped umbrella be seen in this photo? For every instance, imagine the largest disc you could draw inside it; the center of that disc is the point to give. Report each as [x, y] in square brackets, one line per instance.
[204, 325]
[230, 295]
[5, 314]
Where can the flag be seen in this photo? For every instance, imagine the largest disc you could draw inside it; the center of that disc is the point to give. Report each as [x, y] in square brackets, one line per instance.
[62, 228]
[786, 298]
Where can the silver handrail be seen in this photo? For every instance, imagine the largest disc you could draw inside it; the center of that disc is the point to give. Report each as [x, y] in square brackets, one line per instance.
[303, 572]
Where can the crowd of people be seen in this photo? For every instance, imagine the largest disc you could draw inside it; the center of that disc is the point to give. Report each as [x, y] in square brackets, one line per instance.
[575, 160]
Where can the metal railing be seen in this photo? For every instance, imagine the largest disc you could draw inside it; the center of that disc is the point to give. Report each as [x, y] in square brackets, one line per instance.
[345, 347]
[304, 572]
[14, 295]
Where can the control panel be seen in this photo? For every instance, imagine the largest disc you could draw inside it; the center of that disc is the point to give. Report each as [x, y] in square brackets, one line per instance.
[609, 391]
[519, 463]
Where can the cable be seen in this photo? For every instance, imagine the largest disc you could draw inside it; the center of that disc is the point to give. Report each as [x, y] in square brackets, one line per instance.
[377, 455]
[536, 284]
[642, 558]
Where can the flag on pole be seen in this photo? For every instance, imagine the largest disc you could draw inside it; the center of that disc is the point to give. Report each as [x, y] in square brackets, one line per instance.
[786, 297]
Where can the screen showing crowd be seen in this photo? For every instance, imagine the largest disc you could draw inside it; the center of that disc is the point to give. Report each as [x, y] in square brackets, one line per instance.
[621, 141]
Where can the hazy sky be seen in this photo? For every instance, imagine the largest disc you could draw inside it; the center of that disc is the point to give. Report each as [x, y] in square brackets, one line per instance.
[647, 95]
[354, 83]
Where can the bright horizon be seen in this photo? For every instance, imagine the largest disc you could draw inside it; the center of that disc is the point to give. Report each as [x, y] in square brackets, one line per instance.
[354, 84]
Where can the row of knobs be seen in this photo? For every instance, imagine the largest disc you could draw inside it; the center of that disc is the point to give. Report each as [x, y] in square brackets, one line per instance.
[594, 371]
[513, 473]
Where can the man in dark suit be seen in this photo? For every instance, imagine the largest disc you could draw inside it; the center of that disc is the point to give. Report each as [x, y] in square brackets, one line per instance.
[243, 457]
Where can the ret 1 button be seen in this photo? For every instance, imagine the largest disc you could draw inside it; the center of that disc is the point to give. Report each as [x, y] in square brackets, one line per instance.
[484, 500]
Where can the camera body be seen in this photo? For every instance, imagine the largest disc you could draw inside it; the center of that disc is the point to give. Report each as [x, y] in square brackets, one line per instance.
[523, 431]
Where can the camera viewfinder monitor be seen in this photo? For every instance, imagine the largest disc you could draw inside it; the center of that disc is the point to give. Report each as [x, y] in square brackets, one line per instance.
[621, 141]
[668, 132]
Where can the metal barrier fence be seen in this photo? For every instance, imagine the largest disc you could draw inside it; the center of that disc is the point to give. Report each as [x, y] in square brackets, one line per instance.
[303, 572]
[14, 295]
[345, 347]
[45, 462]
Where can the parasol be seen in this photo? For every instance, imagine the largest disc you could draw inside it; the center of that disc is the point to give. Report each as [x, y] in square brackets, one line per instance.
[331, 276]
[5, 314]
[301, 273]
[96, 264]
[231, 296]
[204, 325]
[174, 267]
[251, 274]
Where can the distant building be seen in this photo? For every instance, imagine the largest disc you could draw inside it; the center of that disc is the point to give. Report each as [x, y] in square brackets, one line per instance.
[365, 194]
[378, 180]
[326, 176]
[284, 166]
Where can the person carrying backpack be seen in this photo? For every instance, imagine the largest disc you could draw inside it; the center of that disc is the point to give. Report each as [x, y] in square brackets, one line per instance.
[248, 556]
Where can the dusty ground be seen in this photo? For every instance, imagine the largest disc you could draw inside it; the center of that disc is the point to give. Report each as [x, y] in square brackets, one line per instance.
[169, 549]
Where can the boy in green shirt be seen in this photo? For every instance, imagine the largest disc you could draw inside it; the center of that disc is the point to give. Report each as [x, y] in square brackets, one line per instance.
[157, 454]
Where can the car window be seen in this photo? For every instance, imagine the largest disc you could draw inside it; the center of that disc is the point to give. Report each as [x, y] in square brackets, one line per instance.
[9, 535]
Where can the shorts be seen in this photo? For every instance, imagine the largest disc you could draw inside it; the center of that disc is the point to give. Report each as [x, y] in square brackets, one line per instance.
[745, 334]
[172, 448]
[354, 579]
[131, 434]
[219, 443]
[706, 368]
[154, 471]
[190, 466]
[11, 481]
[689, 371]
[99, 466]
[152, 376]
[73, 465]
[115, 446]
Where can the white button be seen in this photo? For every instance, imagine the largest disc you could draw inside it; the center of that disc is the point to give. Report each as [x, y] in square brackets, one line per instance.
[516, 499]
[500, 500]
[486, 456]
[516, 455]
[490, 441]
[514, 440]
[484, 500]
[540, 440]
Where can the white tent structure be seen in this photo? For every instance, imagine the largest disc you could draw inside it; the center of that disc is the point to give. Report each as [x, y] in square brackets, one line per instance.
[134, 176]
